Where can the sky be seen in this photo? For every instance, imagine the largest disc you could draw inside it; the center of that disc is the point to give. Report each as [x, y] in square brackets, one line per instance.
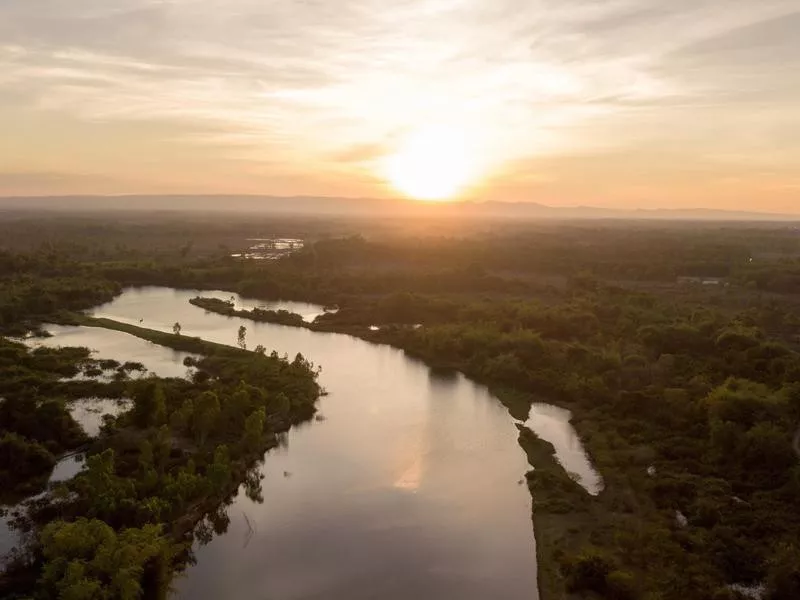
[616, 103]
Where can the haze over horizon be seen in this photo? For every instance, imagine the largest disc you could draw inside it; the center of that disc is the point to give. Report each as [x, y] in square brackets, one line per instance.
[630, 104]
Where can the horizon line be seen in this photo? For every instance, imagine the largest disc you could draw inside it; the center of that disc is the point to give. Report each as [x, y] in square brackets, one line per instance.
[441, 205]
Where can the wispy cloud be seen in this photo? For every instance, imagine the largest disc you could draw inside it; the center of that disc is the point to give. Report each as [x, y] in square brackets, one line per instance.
[326, 84]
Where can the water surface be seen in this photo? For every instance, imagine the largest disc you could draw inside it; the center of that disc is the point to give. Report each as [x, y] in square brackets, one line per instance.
[407, 486]
[9, 537]
[132, 308]
[109, 344]
[66, 468]
[89, 412]
[552, 423]
[407, 489]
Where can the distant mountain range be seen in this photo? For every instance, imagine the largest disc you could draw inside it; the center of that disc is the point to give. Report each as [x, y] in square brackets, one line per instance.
[364, 207]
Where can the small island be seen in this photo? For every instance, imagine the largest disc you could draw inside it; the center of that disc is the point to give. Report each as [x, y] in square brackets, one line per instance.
[224, 307]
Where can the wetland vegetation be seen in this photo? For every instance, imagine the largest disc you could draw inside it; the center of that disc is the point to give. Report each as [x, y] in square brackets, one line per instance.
[155, 470]
[685, 394]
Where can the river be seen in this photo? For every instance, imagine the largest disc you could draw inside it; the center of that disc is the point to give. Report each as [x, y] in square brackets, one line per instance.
[409, 484]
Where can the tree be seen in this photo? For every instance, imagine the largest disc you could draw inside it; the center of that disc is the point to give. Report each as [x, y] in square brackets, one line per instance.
[589, 571]
[162, 448]
[205, 415]
[159, 406]
[742, 402]
[150, 406]
[180, 420]
[242, 337]
[20, 458]
[176, 329]
[768, 447]
[88, 560]
[147, 477]
[783, 578]
[237, 407]
[254, 429]
[219, 473]
[145, 455]
[99, 486]
[280, 404]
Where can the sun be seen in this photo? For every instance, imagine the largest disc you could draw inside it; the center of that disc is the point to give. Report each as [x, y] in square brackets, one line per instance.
[432, 164]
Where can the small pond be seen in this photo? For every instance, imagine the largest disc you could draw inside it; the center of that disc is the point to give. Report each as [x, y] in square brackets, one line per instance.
[552, 424]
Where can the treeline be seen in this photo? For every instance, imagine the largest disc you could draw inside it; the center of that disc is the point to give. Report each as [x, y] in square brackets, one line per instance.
[25, 301]
[523, 261]
[332, 270]
[780, 277]
[137, 250]
[609, 251]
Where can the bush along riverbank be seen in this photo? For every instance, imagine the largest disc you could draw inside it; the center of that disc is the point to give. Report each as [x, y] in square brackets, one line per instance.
[122, 526]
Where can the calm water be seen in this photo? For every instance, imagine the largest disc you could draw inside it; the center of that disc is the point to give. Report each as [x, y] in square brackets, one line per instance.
[9, 537]
[408, 488]
[552, 423]
[89, 412]
[309, 312]
[67, 468]
[127, 308]
[109, 344]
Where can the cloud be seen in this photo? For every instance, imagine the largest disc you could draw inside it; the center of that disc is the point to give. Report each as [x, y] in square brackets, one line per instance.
[331, 85]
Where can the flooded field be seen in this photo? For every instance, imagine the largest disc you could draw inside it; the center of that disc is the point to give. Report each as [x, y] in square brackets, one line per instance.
[269, 248]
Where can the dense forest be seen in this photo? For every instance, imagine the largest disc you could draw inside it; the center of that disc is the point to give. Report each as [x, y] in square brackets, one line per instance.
[675, 346]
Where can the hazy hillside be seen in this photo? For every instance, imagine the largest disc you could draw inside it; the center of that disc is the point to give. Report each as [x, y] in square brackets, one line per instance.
[304, 205]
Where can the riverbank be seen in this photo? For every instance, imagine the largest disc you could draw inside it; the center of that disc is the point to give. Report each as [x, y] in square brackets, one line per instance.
[399, 452]
[628, 535]
[183, 343]
[563, 513]
[617, 535]
[178, 455]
